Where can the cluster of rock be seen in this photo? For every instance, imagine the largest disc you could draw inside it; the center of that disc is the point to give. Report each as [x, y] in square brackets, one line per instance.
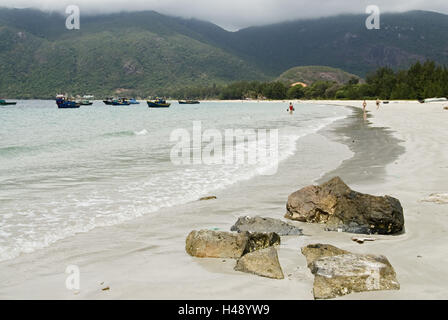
[254, 251]
[222, 244]
[336, 271]
[341, 209]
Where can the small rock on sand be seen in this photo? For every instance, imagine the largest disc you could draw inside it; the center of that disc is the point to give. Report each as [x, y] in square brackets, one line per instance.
[361, 240]
[208, 198]
[262, 262]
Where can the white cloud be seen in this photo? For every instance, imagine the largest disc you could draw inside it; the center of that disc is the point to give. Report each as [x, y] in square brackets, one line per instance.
[235, 13]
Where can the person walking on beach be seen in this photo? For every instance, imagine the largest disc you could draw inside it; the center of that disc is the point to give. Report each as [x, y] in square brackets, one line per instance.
[291, 108]
[378, 102]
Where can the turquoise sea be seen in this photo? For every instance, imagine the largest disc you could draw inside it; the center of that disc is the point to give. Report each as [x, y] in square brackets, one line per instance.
[66, 171]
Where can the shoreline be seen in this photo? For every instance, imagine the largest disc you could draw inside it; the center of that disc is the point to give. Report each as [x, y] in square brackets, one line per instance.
[137, 263]
[357, 133]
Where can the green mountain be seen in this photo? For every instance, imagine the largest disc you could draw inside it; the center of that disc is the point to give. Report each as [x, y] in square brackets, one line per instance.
[311, 74]
[344, 42]
[146, 53]
[130, 54]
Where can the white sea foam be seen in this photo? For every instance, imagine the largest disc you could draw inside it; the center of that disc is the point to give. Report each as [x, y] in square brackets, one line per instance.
[143, 132]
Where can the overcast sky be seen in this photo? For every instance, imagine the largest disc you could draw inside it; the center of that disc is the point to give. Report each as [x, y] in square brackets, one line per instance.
[234, 14]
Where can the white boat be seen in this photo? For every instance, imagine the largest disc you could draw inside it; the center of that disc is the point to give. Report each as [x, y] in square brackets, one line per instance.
[435, 100]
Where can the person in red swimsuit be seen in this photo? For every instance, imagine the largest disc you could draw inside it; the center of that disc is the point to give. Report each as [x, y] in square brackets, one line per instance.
[291, 108]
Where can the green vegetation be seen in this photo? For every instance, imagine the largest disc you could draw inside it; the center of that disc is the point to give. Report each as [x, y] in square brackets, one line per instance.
[420, 81]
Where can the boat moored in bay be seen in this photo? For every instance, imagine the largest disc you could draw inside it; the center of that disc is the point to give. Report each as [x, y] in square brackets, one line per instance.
[108, 101]
[120, 102]
[64, 102]
[7, 103]
[87, 100]
[188, 102]
[158, 103]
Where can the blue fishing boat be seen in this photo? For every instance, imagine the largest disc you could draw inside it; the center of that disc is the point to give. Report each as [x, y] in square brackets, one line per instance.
[120, 102]
[66, 103]
[158, 103]
[108, 101]
[6, 103]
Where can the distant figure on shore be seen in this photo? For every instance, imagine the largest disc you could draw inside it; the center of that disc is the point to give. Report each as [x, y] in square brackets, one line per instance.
[378, 102]
[291, 108]
[364, 105]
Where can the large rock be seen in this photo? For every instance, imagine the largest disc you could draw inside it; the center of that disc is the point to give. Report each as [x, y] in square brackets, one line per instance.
[259, 224]
[262, 262]
[314, 252]
[216, 244]
[343, 274]
[220, 244]
[340, 208]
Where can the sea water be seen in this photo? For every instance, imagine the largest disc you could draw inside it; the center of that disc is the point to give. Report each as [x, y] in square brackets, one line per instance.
[68, 171]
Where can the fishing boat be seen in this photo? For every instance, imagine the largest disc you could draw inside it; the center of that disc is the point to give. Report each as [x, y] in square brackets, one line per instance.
[435, 100]
[133, 101]
[188, 102]
[87, 100]
[120, 102]
[66, 103]
[158, 103]
[6, 103]
[108, 101]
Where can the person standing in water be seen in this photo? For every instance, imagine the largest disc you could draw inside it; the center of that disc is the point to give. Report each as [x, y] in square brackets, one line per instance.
[364, 105]
[378, 102]
[291, 108]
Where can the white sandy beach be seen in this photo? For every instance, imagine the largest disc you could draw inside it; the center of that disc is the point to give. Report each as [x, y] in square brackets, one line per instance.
[135, 262]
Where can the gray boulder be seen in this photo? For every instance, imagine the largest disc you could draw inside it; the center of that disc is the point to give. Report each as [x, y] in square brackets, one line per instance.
[343, 274]
[259, 224]
[262, 262]
[333, 203]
